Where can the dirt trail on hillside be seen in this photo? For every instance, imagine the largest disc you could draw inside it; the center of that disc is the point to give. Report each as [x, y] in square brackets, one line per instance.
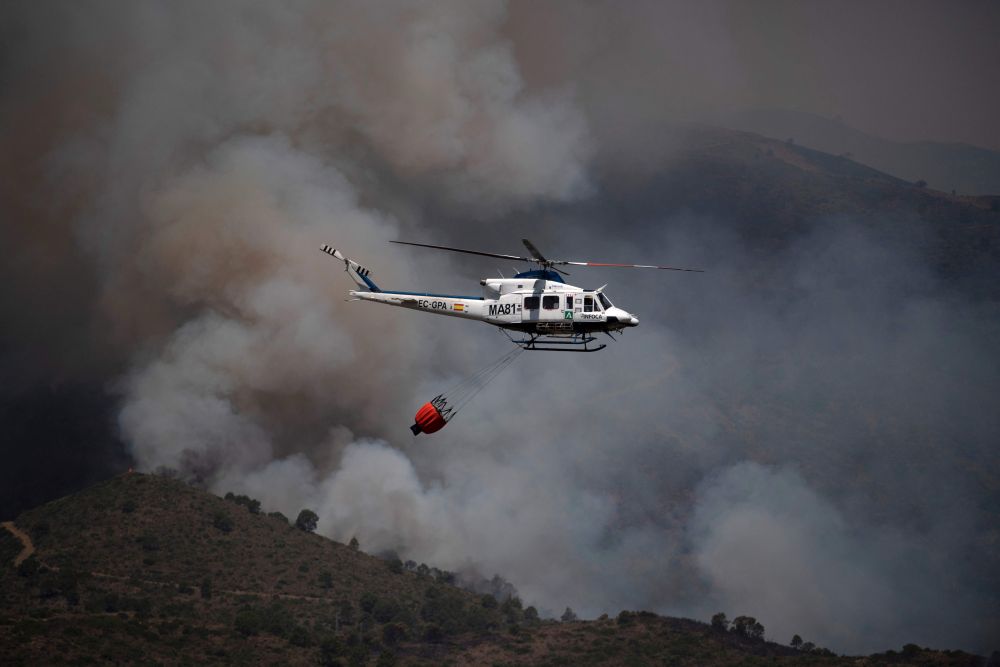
[28, 549]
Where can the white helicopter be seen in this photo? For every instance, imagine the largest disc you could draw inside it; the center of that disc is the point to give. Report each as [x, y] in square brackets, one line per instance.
[550, 314]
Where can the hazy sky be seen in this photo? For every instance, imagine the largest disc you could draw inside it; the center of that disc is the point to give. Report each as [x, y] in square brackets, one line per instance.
[904, 70]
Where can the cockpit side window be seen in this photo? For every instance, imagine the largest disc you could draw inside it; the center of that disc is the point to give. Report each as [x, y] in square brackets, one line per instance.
[605, 301]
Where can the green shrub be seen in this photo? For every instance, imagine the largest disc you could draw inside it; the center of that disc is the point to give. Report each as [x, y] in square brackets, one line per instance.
[385, 610]
[299, 636]
[393, 633]
[434, 634]
[367, 601]
[329, 650]
[149, 542]
[222, 521]
[29, 568]
[248, 622]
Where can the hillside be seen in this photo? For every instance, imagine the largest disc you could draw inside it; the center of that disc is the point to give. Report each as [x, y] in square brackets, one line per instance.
[148, 570]
[772, 192]
[945, 166]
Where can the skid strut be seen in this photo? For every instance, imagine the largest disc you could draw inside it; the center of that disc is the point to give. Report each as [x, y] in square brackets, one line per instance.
[543, 343]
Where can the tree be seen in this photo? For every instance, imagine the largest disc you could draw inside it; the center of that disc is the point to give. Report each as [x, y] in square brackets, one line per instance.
[921, 184]
[306, 521]
[796, 642]
[354, 543]
[488, 601]
[568, 615]
[720, 622]
[808, 647]
[530, 615]
[747, 626]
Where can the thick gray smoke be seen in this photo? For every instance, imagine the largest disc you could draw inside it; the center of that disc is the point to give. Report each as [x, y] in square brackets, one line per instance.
[820, 455]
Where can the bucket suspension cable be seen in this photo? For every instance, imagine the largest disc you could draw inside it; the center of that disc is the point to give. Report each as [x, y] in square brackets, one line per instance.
[442, 408]
[459, 395]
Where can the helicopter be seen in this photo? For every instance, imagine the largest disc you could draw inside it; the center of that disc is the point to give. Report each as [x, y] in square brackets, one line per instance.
[545, 312]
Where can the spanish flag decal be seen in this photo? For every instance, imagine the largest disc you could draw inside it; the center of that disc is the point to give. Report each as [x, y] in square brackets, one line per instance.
[460, 307]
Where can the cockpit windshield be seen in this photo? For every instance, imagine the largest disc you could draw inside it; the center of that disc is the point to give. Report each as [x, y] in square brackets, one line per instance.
[605, 301]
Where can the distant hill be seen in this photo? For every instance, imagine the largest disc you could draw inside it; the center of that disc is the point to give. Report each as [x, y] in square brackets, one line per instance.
[968, 170]
[148, 570]
[771, 192]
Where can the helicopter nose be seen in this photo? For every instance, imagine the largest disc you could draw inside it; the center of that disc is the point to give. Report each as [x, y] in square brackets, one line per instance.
[633, 321]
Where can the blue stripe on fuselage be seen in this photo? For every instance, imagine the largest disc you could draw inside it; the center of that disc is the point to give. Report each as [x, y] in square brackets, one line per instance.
[428, 294]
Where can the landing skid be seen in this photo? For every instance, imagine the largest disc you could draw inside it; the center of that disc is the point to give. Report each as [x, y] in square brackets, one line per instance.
[543, 343]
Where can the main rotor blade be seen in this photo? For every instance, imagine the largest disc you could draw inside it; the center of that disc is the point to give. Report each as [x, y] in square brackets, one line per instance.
[468, 252]
[533, 250]
[631, 266]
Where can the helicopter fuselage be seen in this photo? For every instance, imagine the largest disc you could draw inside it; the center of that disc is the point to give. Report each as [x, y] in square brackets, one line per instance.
[530, 302]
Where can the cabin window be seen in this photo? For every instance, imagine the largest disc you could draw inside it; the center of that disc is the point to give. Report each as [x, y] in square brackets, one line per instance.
[550, 302]
[569, 303]
[531, 303]
[588, 304]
